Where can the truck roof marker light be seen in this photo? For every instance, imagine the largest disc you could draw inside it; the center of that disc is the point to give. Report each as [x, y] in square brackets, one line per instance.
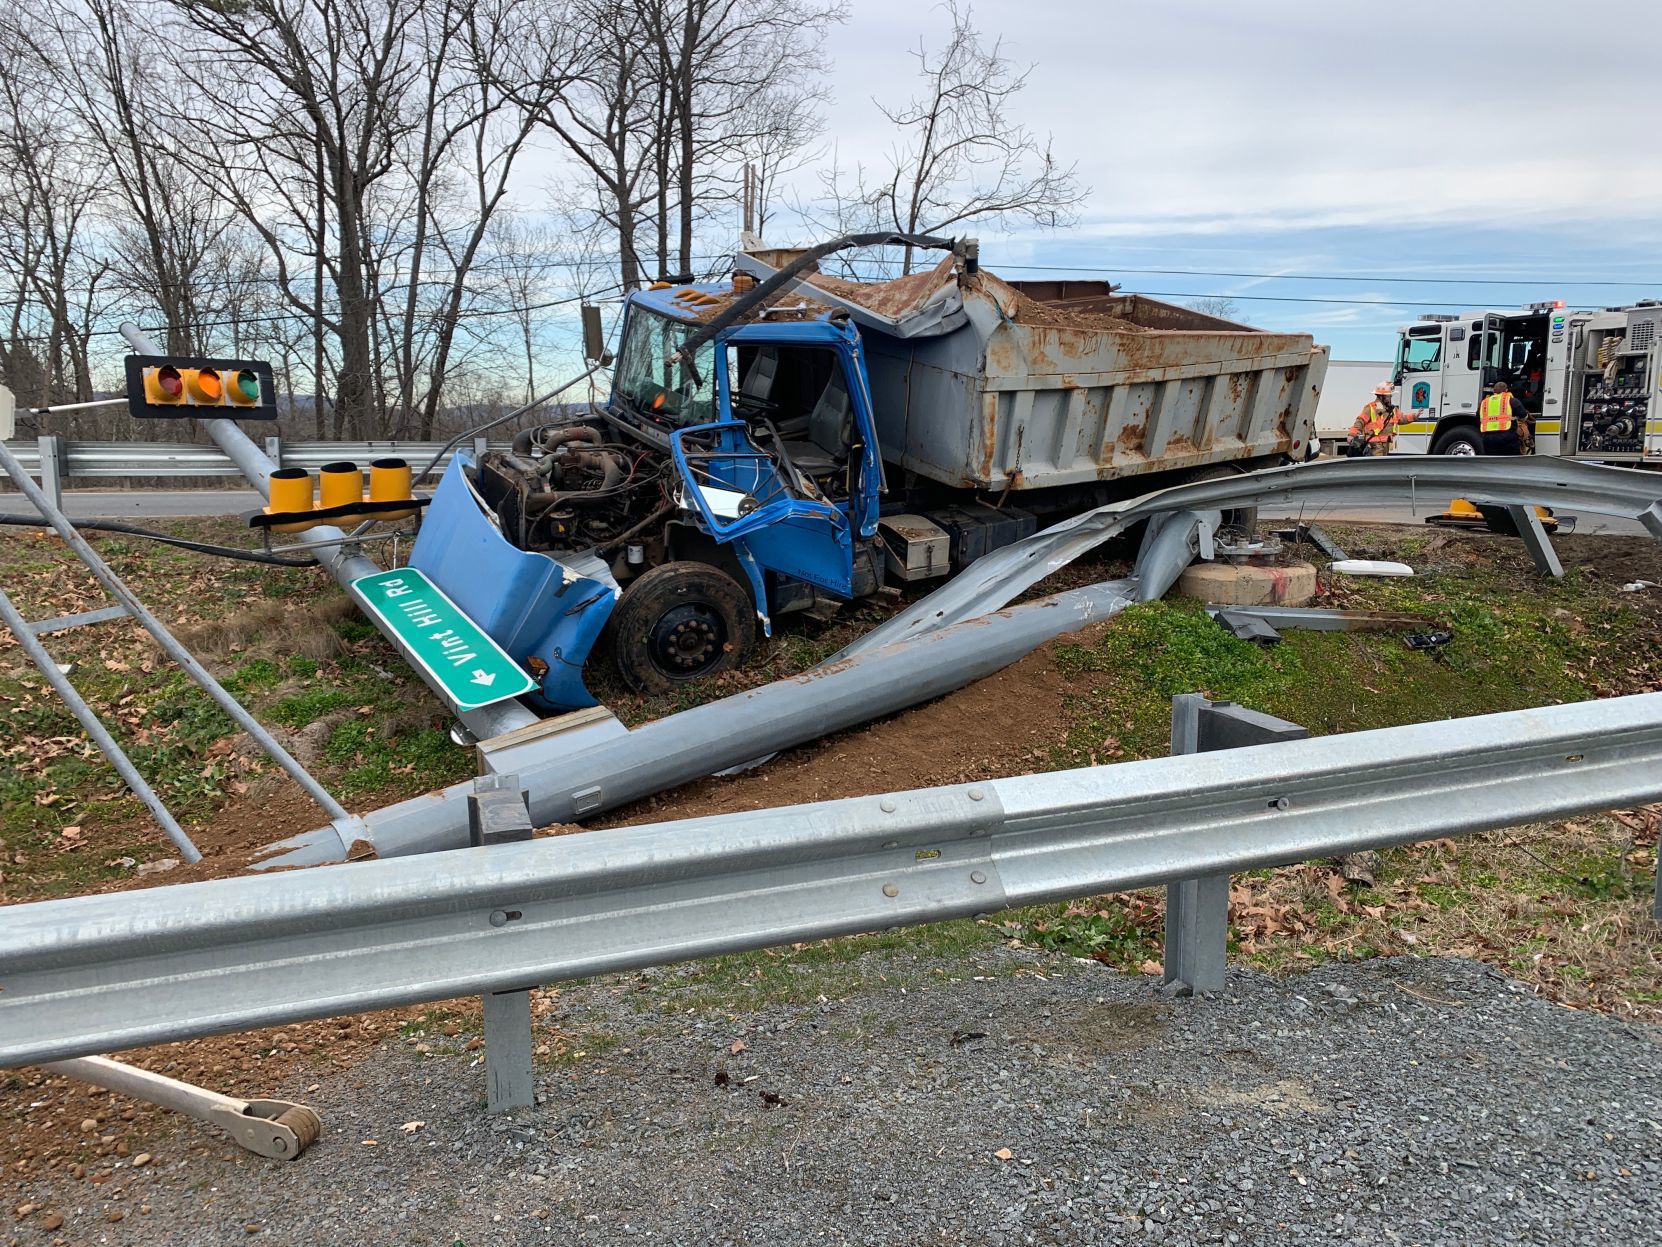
[1558, 303]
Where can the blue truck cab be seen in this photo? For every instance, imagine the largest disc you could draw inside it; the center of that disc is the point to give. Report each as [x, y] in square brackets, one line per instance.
[715, 489]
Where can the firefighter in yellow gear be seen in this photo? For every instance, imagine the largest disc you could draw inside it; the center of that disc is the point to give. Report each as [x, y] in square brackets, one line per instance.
[1503, 423]
[1374, 431]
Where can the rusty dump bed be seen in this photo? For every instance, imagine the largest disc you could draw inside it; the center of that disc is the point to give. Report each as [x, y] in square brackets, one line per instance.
[988, 384]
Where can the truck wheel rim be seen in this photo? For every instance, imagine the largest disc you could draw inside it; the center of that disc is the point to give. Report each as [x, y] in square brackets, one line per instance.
[1463, 450]
[687, 641]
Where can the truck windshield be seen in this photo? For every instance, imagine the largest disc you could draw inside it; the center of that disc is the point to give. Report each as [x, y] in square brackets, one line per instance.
[650, 384]
[1422, 352]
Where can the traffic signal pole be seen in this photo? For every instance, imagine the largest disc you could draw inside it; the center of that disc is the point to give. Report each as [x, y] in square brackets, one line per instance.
[342, 557]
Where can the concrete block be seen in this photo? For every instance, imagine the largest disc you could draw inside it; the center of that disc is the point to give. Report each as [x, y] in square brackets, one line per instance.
[1249, 584]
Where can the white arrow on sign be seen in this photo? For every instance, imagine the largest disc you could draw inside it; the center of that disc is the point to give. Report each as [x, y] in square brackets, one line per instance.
[487, 678]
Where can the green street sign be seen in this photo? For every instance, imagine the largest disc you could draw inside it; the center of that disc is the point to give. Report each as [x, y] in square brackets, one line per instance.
[467, 665]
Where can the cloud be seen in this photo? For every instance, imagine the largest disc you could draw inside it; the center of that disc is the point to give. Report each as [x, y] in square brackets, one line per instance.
[1206, 116]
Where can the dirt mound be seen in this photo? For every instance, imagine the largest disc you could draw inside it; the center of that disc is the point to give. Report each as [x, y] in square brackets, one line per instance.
[1025, 310]
[904, 295]
[893, 298]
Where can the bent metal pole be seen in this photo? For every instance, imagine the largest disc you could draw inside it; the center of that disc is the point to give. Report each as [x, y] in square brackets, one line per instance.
[169, 644]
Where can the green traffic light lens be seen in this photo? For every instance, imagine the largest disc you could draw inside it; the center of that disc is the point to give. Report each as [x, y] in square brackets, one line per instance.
[248, 385]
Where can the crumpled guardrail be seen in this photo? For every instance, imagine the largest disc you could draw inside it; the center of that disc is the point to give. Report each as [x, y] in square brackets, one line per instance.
[956, 635]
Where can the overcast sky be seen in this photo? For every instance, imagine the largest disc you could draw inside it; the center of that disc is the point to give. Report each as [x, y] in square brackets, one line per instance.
[1515, 140]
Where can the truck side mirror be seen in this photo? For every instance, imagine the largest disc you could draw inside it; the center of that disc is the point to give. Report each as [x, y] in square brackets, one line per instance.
[594, 340]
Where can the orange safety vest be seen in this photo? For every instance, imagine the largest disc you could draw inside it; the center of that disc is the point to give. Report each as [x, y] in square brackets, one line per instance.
[1495, 416]
[1374, 423]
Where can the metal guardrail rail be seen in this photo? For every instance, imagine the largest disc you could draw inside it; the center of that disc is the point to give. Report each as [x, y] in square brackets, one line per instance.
[97, 973]
[119, 460]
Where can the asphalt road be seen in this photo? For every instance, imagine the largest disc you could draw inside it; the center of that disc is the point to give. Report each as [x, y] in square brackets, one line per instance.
[161, 504]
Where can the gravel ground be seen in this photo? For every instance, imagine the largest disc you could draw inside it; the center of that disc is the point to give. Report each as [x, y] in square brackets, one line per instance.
[1011, 1099]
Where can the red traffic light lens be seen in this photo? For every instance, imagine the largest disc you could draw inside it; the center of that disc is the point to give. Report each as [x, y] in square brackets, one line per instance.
[171, 383]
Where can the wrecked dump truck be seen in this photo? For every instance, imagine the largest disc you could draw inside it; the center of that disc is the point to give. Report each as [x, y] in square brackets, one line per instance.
[788, 441]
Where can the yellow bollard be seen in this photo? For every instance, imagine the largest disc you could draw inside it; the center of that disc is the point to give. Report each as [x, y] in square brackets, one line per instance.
[339, 485]
[389, 481]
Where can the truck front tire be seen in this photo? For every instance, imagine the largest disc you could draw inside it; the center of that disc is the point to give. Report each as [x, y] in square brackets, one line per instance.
[1462, 441]
[678, 623]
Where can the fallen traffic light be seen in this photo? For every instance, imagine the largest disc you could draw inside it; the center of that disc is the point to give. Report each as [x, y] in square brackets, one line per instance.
[160, 386]
[340, 490]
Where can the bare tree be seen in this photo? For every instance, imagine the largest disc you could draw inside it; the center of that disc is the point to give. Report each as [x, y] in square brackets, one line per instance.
[736, 73]
[667, 99]
[47, 191]
[961, 157]
[165, 224]
[779, 134]
[369, 151]
[1220, 305]
[605, 105]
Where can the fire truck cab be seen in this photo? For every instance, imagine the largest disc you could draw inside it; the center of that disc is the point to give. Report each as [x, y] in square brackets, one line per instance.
[1590, 381]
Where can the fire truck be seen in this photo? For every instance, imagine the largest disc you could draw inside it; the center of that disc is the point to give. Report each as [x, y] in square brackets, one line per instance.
[1590, 381]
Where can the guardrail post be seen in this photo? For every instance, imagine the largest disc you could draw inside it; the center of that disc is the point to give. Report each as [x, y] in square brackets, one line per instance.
[499, 812]
[1197, 910]
[52, 456]
[480, 446]
[509, 1082]
[1656, 905]
[1536, 541]
[274, 449]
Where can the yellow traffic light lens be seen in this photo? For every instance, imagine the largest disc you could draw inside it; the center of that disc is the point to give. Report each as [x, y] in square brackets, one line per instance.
[203, 385]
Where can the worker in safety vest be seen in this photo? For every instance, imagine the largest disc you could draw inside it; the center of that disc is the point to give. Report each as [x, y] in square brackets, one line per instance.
[1501, 421]
[1374, 432]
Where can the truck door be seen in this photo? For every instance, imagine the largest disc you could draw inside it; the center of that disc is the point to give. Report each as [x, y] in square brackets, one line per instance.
[1556, 426]
[1463, 372]
[1420, 372]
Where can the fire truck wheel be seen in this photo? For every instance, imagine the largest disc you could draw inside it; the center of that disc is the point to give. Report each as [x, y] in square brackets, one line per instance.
[1463, 442]
[678, 623]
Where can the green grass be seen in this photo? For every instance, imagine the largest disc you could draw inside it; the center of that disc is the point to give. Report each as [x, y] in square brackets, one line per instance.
[364, 761]
[1123, 934]
[1511, 650]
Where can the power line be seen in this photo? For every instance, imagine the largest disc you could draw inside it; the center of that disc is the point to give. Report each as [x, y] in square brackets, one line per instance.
[1341, 277]
[1271, 298]
[298, 315]
[1334, 277]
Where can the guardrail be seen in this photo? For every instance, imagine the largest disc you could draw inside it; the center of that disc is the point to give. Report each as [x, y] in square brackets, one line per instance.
[66, 459]
[97, 973]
